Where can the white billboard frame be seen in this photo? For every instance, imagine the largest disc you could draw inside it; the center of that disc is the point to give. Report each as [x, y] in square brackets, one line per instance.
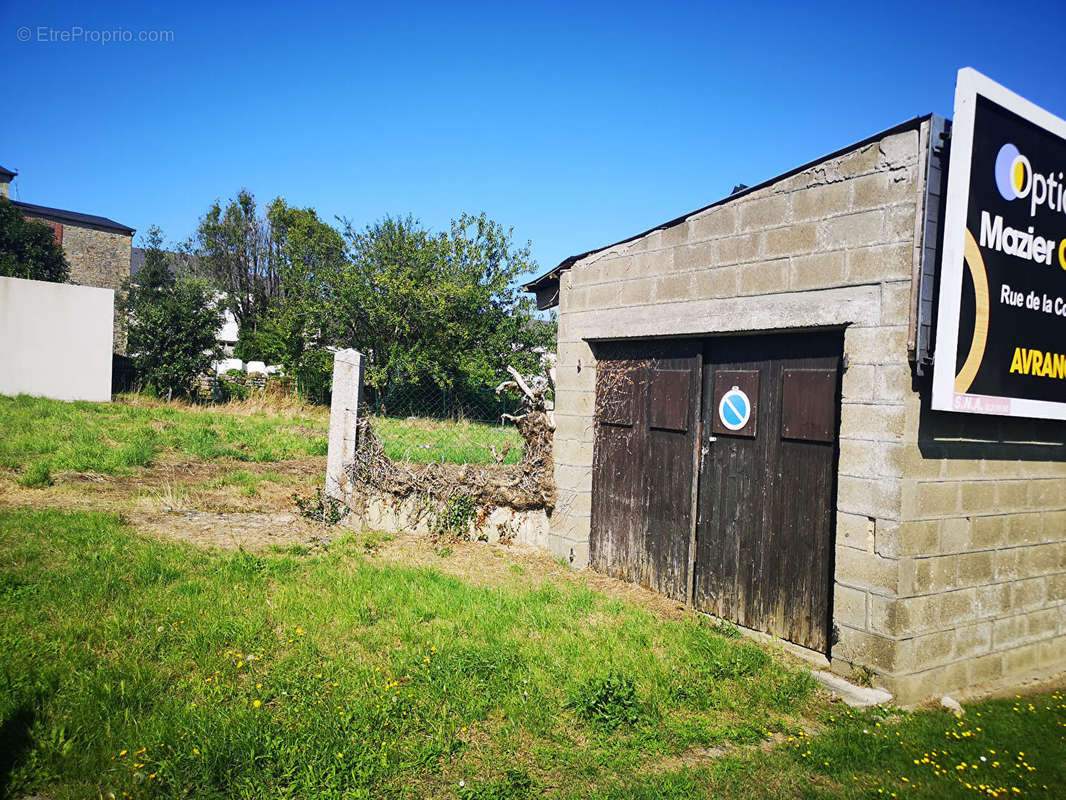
[968, 85]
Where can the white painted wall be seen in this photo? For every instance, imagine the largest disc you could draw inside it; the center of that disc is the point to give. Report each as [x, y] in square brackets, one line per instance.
[55, 340]
[230, 330]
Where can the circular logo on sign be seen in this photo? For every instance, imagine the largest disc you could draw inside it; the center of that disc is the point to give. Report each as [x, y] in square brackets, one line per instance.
[1014, 173]
[734, 410]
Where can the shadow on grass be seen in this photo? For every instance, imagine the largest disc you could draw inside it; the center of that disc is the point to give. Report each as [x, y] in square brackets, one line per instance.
[15, 741]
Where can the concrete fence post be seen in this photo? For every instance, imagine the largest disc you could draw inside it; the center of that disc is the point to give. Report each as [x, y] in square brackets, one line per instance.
[343, 419]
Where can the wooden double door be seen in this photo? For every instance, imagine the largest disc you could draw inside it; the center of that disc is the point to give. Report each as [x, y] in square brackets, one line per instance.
[714, 475]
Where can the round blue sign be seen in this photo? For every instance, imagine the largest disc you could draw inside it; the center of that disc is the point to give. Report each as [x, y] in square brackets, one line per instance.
[734, 410]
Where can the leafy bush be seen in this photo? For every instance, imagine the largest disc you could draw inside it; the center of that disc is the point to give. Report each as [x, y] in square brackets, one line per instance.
[231, 390]
[266, 343]
[173, 320]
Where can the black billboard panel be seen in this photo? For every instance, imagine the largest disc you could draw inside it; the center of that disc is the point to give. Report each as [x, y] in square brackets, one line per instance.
[1001, 330]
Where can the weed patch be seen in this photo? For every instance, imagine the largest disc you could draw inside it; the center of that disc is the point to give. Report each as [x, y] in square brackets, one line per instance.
[320, 507]
[514, 785]
[453, 520]
[37, 475]
[607, 701]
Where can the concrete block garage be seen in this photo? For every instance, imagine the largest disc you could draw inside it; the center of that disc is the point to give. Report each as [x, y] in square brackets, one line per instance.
[746, 419]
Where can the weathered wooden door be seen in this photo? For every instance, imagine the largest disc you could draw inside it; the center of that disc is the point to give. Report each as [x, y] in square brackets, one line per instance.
[767, 481]
[647, 404]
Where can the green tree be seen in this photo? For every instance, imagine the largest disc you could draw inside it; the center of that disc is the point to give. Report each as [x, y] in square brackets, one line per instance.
[28, 248]
[173, 321]
[273, 271]
[305, 253]
[308, 253]
[234, 253]
[440, 308]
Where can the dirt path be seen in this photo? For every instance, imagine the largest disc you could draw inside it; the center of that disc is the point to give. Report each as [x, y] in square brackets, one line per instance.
[219, 504]
[175, 484]
[232, 531]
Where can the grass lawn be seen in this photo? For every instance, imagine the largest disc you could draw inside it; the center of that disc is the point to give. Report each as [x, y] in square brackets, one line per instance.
[41, 437]
[162, 670]
[426, 440]
[143, 669]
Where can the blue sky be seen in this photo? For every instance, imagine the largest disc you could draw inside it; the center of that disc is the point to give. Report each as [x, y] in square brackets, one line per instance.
[577, 124]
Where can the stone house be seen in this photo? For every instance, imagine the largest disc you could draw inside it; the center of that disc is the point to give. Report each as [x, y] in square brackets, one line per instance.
[97, 248]
[941, 563]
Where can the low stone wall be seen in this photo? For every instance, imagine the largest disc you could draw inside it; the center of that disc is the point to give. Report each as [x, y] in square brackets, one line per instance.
[216, 388]
[383, 512]
[392, 497]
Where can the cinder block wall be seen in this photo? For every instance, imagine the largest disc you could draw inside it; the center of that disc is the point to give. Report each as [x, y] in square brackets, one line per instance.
[100, 258]
[835, 246]
[982, 594]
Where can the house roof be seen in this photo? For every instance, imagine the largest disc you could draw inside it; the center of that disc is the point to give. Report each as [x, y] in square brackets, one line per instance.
[7, 173]
[74, 216]
[543, 283]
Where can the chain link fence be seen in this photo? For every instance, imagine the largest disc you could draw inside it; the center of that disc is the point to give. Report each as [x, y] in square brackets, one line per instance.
[425, 424]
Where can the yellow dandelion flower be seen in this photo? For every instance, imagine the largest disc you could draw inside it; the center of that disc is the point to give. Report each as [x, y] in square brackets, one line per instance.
[257, 703]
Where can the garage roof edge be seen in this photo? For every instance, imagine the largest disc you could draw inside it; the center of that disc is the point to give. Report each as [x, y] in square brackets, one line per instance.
[543, 281]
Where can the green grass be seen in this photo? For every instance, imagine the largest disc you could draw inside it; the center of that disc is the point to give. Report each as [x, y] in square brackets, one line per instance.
[1003, 748]
[146, 669]
[159, 670]
[39, 437]
[424, 441]
[247, 482]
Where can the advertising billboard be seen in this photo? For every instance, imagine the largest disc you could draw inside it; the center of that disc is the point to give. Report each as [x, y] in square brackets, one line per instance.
[1001, 325]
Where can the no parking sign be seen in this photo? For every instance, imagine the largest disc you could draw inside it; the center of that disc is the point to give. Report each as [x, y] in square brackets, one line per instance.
[734, 409]
[736, 402]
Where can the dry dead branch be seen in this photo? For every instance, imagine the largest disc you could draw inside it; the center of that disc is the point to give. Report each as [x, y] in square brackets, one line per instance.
[529, 484]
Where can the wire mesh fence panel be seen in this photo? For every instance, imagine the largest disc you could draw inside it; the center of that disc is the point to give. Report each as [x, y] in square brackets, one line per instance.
[424, 424]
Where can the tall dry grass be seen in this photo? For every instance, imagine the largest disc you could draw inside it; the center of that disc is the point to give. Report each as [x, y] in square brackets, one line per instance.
[272, 400]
